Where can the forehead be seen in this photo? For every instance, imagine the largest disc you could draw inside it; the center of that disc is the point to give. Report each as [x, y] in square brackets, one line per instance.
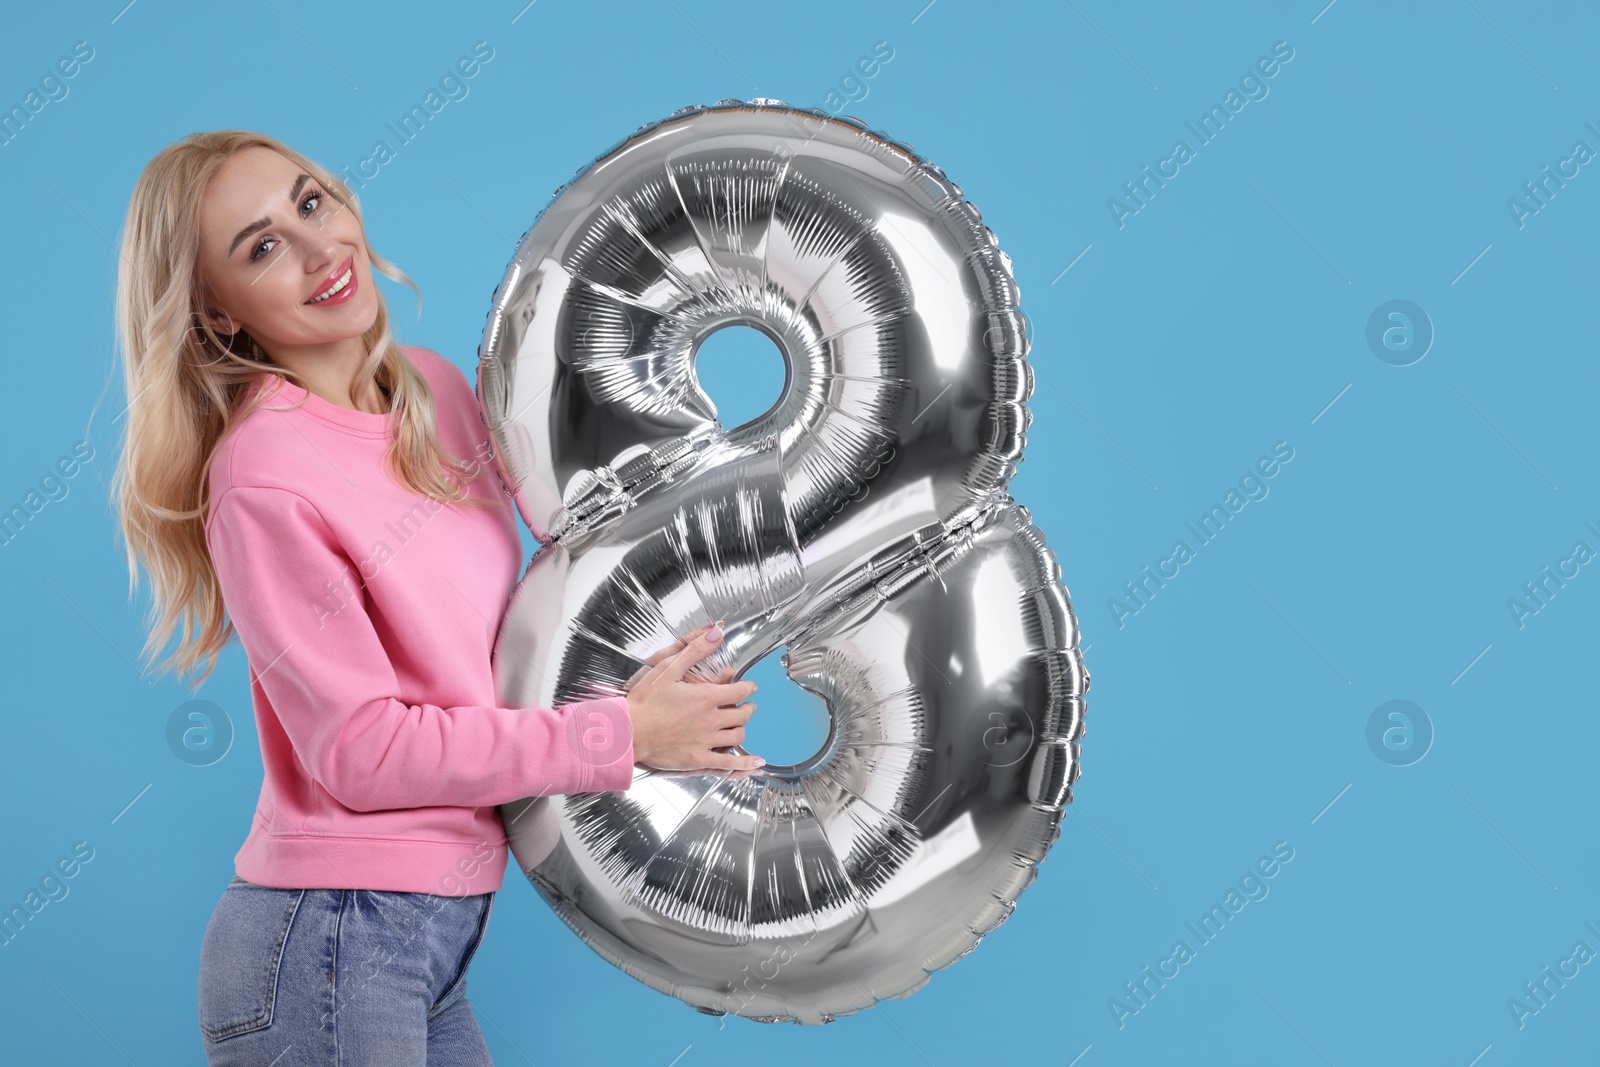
[253, 183]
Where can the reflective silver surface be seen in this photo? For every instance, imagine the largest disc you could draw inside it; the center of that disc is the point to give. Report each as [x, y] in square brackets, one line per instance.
[860, 528]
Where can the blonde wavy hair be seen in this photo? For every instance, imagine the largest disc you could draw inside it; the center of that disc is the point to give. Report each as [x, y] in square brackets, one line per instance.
[183, 384]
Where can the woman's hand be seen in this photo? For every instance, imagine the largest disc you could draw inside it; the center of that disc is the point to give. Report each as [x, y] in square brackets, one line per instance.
[672, 650]
[679, 724]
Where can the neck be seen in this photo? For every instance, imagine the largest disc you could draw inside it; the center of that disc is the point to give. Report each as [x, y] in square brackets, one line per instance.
[331, 370]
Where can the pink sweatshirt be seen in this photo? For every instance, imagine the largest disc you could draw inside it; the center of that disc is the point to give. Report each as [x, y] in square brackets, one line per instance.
[368, 615]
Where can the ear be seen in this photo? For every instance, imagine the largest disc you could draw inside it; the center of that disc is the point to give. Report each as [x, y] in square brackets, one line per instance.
[221, 322]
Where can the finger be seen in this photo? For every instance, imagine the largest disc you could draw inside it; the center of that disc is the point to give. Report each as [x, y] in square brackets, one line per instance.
[733, 735]
[658, 661]
[693, 652]
[727, 761]
[723, 694]
[660, 654]
[676, 646]
[734, 715]
[647, 675]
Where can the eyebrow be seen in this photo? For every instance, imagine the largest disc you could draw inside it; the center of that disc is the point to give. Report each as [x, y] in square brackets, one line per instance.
[266, 220]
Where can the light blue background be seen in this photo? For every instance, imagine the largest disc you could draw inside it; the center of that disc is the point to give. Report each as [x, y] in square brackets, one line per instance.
[1230, 313]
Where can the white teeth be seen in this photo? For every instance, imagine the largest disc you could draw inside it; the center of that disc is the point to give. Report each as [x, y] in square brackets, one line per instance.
[344, 280]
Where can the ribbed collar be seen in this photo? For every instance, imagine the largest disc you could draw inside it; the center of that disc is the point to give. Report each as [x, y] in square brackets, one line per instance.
[284, 395]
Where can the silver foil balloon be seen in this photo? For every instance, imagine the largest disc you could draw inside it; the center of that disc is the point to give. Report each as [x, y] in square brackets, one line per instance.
[859, 528]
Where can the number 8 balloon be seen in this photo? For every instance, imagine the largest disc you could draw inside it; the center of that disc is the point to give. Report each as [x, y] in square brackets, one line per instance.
[860, 525]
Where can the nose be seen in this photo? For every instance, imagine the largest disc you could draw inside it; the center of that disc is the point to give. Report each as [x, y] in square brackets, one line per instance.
[322, 251]
[321, 254]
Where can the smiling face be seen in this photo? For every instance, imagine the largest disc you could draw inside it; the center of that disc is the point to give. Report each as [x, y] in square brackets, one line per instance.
[281, 257]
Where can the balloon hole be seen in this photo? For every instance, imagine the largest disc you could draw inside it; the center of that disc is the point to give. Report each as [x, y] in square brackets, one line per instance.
[790, 724]
[743, 372]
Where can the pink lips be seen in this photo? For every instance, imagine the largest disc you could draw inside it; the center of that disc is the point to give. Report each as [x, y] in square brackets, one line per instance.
[343, 294]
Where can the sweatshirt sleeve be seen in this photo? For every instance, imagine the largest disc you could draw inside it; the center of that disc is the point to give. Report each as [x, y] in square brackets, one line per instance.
[335, 691]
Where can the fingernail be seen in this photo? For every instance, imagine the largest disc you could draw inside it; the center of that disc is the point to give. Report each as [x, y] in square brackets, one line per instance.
[760, 762]
[715, 633]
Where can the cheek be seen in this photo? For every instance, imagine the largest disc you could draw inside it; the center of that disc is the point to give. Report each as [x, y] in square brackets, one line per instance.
[233, 293]
[345, 229]
[343, 226]
[266, 297]
[276, 287]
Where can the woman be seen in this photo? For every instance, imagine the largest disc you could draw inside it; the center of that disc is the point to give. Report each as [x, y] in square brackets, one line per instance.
[286, 459]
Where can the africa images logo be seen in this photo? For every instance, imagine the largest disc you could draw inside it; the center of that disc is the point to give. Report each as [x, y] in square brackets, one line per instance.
[1138, 192]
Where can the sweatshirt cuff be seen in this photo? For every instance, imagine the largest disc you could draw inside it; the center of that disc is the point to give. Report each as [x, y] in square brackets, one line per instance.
[604, 743]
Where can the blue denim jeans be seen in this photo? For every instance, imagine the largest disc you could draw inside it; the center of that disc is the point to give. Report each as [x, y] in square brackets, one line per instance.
[340, 977]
